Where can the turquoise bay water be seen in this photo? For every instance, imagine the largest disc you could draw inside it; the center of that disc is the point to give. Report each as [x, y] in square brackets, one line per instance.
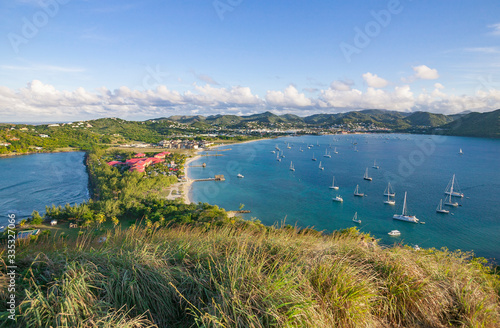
[30, 182]
[421, 165]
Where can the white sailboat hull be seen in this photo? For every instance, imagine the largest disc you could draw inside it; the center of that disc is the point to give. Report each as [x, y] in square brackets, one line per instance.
[405, 218]
[454, 194]
[334, 187]
[390, 202]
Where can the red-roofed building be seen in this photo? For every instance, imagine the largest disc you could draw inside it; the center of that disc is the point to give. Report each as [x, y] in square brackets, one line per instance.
[140, 155]
[162, 154]
[113, 163]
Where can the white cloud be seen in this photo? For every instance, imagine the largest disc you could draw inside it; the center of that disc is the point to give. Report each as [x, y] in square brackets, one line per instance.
[46, 68]
[341, 85]
[374, 81]
[43, 102]
[484, 50]
[425, 73]
[290, 97]
[495, 28]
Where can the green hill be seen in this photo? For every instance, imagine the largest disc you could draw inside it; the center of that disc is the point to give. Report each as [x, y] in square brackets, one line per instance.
[485, 125]
[427, 119]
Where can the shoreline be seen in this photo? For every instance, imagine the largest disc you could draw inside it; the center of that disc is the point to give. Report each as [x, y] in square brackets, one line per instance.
[186, 187]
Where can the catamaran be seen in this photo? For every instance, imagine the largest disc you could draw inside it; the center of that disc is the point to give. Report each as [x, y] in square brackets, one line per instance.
[388, 191]
[333, 186]
[440, 208]
[451, 189]
[327, 154]
[389, 201]
[321, 167]
[338, 199]
[394, 233]
[355, 218]
[314, 159]
[375, 166]
[404, 216]
[366, 177]
[357, 193]
[291, 167]
[449, 202]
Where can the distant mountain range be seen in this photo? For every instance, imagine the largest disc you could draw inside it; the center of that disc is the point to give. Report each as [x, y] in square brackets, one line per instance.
[462, 124]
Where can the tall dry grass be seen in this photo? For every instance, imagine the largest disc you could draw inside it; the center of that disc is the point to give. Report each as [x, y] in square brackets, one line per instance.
[251, 277]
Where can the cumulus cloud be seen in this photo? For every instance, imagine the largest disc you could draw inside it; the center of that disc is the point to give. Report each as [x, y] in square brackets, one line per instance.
[290, 97]
[374, 81]
[38, 101]
[425, 73]
[341, 85]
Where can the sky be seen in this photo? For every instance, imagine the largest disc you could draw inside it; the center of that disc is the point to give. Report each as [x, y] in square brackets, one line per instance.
[67, 60]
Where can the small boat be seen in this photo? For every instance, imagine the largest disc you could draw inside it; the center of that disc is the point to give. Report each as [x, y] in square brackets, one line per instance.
[282, 155]
[314, 159]
[390, 201]
[394, 233]
[288, 146]
[277, 148]
[327, 154]
[355, 218]
[460, 152]
[357, 193]
[375, 166]
[240, 175]
[404, 216]
[333, 186]
[273, 151]
[451, 190]
[366, 177]
[300, 148]
[321, 167]
[278, 157]
[416, 247]
[440, 208]
[388, 191]
[291, 167]
[449, 202]
[355, 148]
[335, 151]
[338, 199]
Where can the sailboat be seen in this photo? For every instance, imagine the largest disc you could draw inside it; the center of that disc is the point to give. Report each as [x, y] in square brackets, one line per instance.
[449, 202]
[357, 193]
[282, 154]
[355, 148]
[321, 167]
[404, 216]
[389, 201]
[338, 199]
[460, 152]
[327, 154]
[388, 191]
[355, 218]
[276, 147]
[440, 208]
[335, 151]
[333, 186]
[314, 159]
[278, 157]
[366, 177]
[291, 167]
[450, 189]
[288, 146]
[300, 148]
[375, 166]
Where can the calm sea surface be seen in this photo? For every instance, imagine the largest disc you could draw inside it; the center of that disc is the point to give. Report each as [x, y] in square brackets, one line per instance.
[30, 182]
[420, 165]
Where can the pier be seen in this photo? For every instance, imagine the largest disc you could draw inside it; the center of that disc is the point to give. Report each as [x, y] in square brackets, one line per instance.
[219, 177]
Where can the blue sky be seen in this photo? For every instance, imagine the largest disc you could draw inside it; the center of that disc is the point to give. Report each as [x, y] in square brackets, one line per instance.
[81, 59]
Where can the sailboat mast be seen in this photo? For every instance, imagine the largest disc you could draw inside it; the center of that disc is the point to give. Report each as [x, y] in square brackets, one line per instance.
[404, 205]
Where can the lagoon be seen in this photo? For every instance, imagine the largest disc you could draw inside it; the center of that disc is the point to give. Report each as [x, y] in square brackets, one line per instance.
[30, 182]
[421, 165]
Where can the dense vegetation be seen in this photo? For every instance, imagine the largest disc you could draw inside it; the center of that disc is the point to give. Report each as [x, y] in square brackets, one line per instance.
[475, 125]
[242, 274]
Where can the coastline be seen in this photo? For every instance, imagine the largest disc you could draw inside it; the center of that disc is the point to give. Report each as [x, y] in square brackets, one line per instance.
[187, 186]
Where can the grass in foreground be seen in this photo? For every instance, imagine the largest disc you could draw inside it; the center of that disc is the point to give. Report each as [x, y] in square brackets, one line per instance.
[249, 277]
